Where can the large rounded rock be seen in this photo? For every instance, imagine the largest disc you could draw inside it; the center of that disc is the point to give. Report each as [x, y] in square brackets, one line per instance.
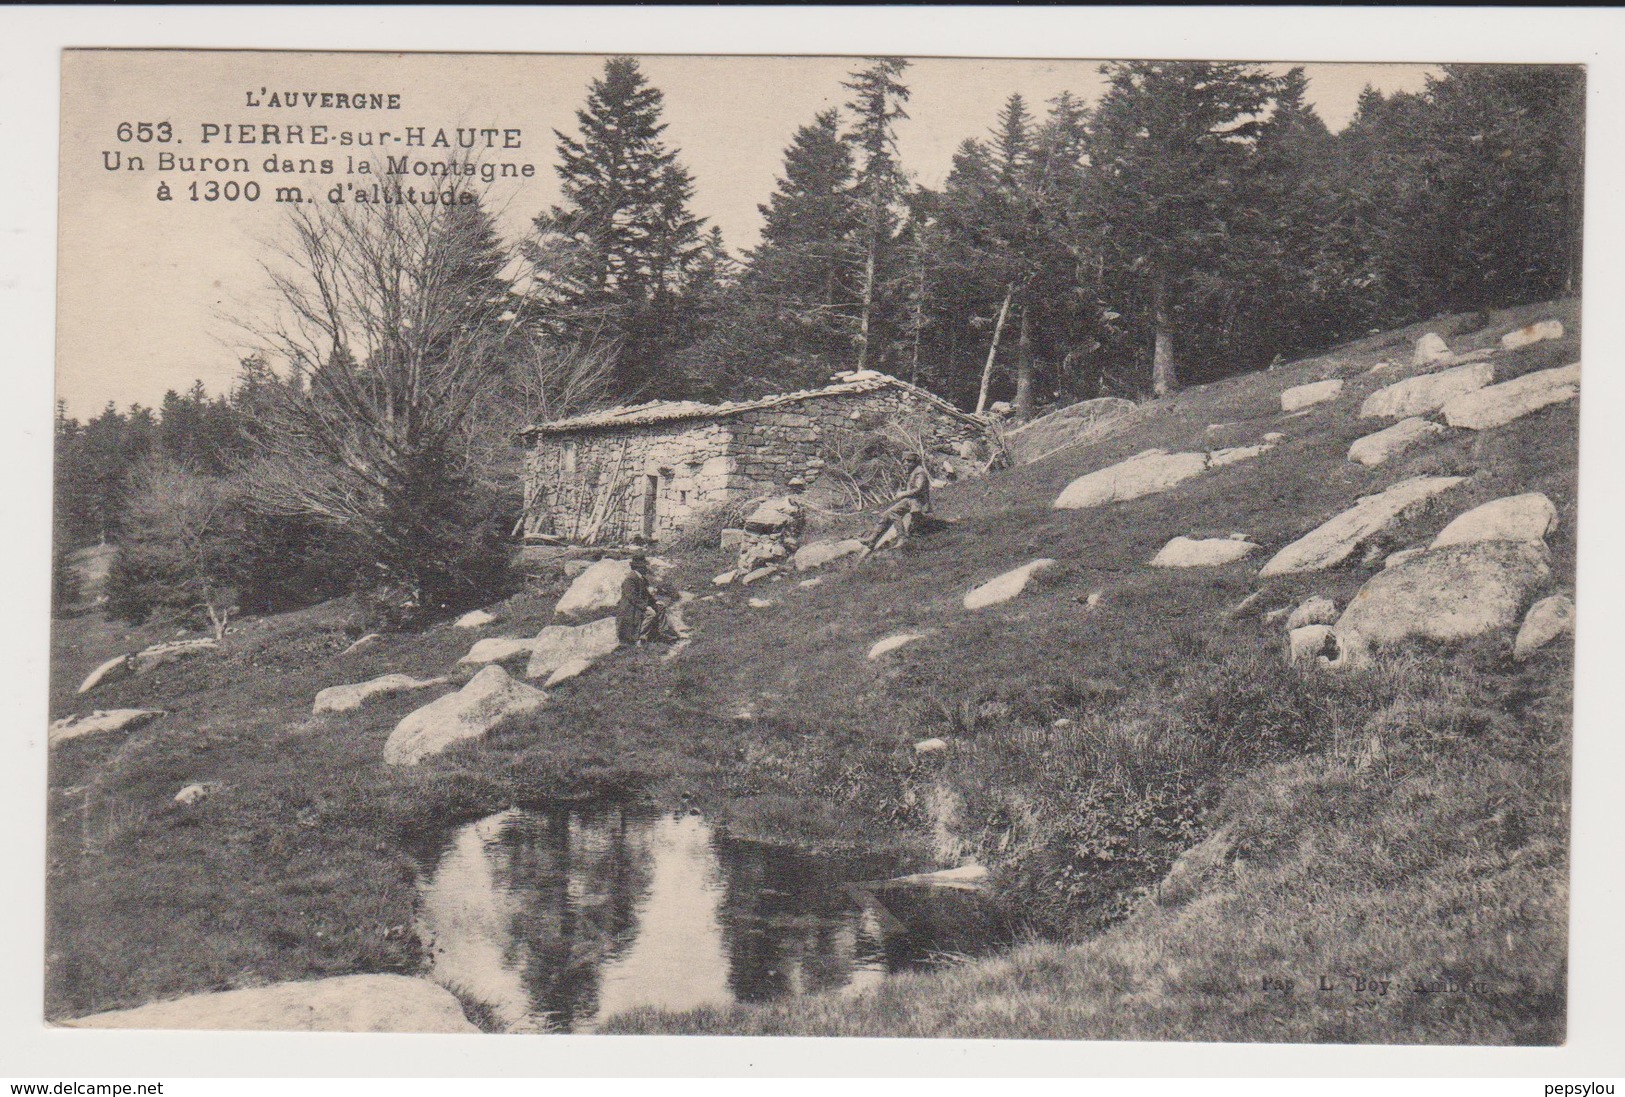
[1532, 333]
[1334, 541]
[1143, 474]
[1546, 620]
[347, 1003]
[1374, 449]
[816, 554]
[1421, 395]
[1006, 586]
[1318, 610]
[1501, 404]
[1186, 552]
[1529, 517]
[118, 719]
[1452, 593]
[599, 590]
[351, 697]
[1429, 349]
[1303, 396]
[558, 645]
[489, 699]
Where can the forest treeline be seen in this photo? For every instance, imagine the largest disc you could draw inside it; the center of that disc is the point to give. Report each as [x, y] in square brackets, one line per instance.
[1198, 220]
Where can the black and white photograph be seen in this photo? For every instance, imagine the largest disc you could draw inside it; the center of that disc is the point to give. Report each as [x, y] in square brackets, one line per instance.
[871, 545]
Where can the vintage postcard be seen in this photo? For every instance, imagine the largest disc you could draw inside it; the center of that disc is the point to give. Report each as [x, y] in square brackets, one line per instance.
[1070, 549]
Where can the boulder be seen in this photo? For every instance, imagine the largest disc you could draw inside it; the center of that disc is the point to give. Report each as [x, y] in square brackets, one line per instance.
[1389, 442]
[1527, 517]
[1146, 473]
[1318, 610]
[570, 669]
[346, 1003]
[599, 590]
[816, 554]
[731, 539]
[1447, 594]
[1500, 404]
[1222, 457]
[892, 643]
[761, 603]
[1083, 421]
[1394, 559]
[1532, 333]
[117, 719]
[1334, 648]
[1333, 541]
[1185, 552]
[1006, 586]
[930, 746]
[1304, 396]
[120, 666]
[724, 579]
[1274, 438]
[489, 699]
[1429, 349]
[475, 618]
[813, 582]
[496, 649]
[1546, 620]
[757, 574]
[349, 698]
[1427, 393]
[1306, 642]
[369, 638]
[197, 793]
[557, 645]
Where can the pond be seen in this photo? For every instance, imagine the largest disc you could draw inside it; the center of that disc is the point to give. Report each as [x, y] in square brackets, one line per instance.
[561, 918]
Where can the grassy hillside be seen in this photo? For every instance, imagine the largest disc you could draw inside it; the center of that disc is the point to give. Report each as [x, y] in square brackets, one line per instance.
[1406, 824]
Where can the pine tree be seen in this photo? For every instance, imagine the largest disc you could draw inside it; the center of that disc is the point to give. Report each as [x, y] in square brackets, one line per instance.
[613, 261]
[879, 187]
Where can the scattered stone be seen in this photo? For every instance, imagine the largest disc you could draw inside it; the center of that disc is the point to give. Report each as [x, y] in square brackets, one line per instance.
[1275, 615]
[476, 618]
[116, 719]
[197, 793]
[724, 579]
[1303, 396]
[496, 649]
[761, 603]
[813, 582]
[1147, 473]
[599, 590]
[1222, 457]
[490, 698]
[1006, 586]
[731, 539]
[1333, 541]
[816, 554]
[1094, 599]
[557, 645]
[1429, 349]
[760, 573]
[892, 643]
[120, 666]
[347, 1003]
[1374, 449]
[971, 877]
[1335, 648]
[349, 698]
[1532, 333]
[1274, 438]
[1307, 642]
[1422, 395]
[1547, 619]
[1501, 404]
[1527, 517]
[566, 671]
[369, 638]
[1381, 367]
[1184, 552]
[1318, 610]
[1451, 593]
[1061, 723]
[930, 746]
[1394, 559]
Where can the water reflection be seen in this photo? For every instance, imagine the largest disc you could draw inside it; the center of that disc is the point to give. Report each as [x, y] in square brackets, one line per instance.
[568, 917]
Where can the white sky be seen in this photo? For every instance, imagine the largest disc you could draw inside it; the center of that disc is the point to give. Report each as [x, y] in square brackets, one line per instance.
[145, 288]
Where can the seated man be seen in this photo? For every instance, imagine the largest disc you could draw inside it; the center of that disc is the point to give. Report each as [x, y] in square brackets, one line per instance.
[906, 506]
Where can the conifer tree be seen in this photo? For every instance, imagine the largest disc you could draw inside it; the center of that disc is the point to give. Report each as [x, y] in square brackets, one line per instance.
[879, 188]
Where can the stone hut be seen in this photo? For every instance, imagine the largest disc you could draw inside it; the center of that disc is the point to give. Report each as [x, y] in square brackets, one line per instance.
[661, 469]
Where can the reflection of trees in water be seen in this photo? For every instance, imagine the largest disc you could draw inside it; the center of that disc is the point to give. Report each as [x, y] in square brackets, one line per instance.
[788, 924]
[578, 881]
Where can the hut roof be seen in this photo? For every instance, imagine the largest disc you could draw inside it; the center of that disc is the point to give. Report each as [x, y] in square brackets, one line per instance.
[667, 411]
